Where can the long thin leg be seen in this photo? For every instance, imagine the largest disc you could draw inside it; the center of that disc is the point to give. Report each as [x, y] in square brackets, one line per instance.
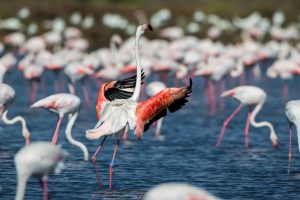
[112, 164]
[212, 100]
[223, 88]
[226, 123]
[44, 185]
[95, 157]
[56, 133]
[86, 95]
[125, 135]
[45, 188]
[290, 149]
[33, 91]
[158, 127]
[285, 91]
[247, 129]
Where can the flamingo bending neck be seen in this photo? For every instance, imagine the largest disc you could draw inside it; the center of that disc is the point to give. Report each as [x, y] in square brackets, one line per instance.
[72, 140]
[14, 120]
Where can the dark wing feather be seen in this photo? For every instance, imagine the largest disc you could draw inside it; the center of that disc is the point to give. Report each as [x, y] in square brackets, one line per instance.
[117, 92]
[157, 117]
[176, 105]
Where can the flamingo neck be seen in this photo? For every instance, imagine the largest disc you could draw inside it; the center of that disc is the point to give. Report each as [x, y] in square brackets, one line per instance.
[72, 140]
[21, 187]
[14, 120]
[137, 89]
[298, 133]
[262, 124]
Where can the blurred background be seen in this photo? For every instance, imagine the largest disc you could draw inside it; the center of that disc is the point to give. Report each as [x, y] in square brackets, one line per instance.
[101, 18]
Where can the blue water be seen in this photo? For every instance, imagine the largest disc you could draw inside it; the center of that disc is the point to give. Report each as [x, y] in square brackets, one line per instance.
[186, 154]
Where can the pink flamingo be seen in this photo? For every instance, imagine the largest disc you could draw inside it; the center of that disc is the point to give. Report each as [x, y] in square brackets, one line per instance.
[63, 104]
[250, 96]
[119, 114]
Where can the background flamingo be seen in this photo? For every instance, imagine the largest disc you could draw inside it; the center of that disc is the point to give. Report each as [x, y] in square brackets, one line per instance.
[38, 159]
[63, 104]
[250, 96]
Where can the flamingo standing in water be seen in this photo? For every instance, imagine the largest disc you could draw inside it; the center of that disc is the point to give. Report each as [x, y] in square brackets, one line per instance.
[250, 96]
[118, 114]
[37, 159]
[7, 95]
[63, 104]
[292, 111]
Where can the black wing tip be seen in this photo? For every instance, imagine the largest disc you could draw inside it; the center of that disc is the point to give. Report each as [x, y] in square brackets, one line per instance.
[189, 87]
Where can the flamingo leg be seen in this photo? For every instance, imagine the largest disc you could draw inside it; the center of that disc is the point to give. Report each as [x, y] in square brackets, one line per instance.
[95, 157]
[226, 122]
[44, 185]
[212, 100]
[125, 135]
[223, 88]
[56, 133]
[285, 91]
[86, 96]
[247, 129]
[290, 149]
[112, 163]
[33, 91]
[56, 86]
[43, 84]
[158, 127]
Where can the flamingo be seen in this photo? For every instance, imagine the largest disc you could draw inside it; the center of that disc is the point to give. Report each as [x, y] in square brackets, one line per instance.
[7, 95]
[292, 110]
[250, 96]
[178, 191]
[75, 71]
[37, 159]
[63, 104]
[119, 114]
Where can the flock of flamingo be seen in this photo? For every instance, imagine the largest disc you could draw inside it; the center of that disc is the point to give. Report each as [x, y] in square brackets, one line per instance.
[121, 73]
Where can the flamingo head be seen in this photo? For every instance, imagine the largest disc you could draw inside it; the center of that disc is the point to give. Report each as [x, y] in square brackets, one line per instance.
[142, 28]
[274, 143]
[274, 139]
[228, 93]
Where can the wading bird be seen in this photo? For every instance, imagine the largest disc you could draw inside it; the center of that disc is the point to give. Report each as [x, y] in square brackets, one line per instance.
[292, 111]
[63, 104]
[37, 159]
[250, 96]
[118, 114]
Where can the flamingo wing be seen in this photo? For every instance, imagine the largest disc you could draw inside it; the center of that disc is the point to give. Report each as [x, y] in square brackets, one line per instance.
[156, 107]
[122, 89]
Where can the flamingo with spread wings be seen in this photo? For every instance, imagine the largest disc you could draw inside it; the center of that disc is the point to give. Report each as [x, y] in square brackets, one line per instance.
[120, 113]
